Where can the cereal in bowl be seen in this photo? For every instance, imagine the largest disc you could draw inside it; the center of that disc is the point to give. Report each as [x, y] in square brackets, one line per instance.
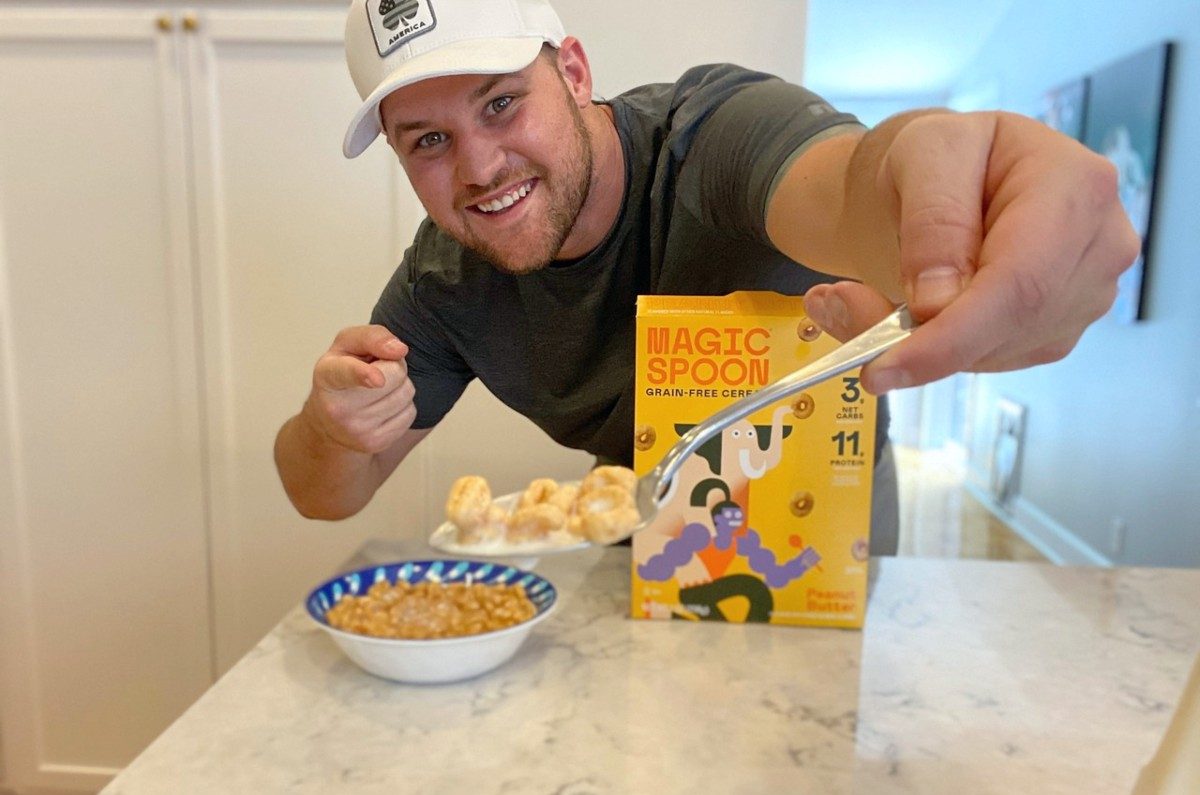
[431, 610]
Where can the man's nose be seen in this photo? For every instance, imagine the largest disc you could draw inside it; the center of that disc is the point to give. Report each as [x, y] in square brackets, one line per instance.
[479, 160]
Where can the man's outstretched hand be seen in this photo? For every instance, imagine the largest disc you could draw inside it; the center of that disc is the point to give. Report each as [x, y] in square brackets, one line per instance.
[1011, 238]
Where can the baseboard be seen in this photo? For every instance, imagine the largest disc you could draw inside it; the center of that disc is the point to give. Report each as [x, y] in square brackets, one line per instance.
[1056, 542]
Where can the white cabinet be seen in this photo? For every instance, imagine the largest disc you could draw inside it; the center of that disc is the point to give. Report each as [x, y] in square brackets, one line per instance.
[179, 239]
[104, 615]
[292, 243]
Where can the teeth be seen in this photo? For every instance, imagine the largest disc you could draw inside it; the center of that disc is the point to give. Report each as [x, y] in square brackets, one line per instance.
[507, 200]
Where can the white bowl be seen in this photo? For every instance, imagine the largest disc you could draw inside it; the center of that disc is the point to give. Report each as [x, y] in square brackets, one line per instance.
[435, 659]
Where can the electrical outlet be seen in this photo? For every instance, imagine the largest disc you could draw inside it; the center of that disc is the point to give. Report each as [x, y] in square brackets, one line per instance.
[1116, 537]
[1006, 451]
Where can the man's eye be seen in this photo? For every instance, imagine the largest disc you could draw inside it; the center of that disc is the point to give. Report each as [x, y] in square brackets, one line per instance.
[430, 139]
[500, 103]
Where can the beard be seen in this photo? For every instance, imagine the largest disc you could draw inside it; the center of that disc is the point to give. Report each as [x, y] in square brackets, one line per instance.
[565, 196]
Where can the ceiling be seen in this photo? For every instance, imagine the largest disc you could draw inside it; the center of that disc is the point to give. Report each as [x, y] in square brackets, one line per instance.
[886, 48]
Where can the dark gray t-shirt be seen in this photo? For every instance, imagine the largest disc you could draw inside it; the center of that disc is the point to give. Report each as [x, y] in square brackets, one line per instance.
[557, 345]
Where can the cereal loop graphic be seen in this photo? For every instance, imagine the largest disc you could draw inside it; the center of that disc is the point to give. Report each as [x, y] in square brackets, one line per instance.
[801, 503]
[644, 437]
[860, 549]
[803, 406]
[807, 330]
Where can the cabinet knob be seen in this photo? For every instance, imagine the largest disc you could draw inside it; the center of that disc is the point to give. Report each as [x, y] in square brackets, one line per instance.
[163, 22]
[190, 22]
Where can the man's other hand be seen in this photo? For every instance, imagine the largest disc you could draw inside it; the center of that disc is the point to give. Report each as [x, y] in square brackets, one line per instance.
[362, 398]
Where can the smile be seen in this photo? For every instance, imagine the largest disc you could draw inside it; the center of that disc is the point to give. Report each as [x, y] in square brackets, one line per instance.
[506, 200]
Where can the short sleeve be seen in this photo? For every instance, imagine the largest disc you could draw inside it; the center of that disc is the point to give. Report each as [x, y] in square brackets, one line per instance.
[435, 367]
[732, 163]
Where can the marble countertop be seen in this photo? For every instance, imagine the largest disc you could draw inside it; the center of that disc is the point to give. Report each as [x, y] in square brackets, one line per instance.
[969, 677]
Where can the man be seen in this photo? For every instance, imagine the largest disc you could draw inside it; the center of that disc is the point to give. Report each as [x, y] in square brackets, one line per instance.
[549, 212]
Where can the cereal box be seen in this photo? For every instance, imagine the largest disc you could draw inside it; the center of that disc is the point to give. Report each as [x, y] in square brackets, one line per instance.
[769, 520]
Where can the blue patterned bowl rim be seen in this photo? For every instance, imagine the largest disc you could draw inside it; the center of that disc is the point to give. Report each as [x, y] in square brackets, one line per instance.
[539, 590]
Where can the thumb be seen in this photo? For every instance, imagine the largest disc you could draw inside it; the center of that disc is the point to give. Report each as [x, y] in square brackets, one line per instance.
[370, 342]
[845, 309]
[337, 372]
[938, 164]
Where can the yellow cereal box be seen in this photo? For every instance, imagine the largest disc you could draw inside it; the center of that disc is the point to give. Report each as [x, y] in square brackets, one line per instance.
[769, 520]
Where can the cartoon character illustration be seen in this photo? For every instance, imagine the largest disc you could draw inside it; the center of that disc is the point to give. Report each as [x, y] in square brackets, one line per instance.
[679, 512]
[727, 532]
[695, 536]
[748, 451]
[741, 453]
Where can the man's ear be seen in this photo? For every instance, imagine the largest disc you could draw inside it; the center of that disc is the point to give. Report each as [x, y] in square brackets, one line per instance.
[575, 71]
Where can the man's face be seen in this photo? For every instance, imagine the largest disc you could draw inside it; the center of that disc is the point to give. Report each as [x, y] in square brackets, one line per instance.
[501, 162]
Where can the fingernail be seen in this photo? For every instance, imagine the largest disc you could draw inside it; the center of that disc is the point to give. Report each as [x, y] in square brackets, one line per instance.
[829, 312]
[937, 286]
[839, 311]
[818, 311]
[887, 380]
[394, 346]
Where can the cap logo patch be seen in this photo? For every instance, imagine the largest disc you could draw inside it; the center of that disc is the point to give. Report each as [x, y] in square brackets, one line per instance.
[395, 22]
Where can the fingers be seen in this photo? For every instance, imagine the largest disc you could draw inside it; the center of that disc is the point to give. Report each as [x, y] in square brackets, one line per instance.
[396, 391]
[1011, 238]
[385, 378]
[348, 362]
[346, 372]
[938, 165]
[375, 427]
[959, 338]
[338, 372]
[374, 342]
[1018, 311]
[1042, 274]
[364, 419]
[1117, 246]
[845, 309]
[400, 422]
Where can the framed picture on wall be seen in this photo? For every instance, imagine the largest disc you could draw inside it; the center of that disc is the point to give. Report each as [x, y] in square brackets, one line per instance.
[1124, 122]
[1063, 108]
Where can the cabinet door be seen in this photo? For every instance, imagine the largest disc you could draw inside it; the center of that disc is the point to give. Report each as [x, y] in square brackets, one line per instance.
[295, 242]
[104, 610]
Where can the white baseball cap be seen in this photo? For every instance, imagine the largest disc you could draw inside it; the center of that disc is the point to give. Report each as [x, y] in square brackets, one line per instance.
[392, 43]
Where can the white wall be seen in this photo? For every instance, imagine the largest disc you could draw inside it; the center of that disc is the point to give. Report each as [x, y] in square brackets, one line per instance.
[631, 42]
[1113, 431]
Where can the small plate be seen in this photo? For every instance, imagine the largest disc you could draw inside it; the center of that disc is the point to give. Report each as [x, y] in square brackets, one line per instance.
[445, 539]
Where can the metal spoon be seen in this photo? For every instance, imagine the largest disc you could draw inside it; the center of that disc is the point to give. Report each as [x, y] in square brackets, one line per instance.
[652, 486]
